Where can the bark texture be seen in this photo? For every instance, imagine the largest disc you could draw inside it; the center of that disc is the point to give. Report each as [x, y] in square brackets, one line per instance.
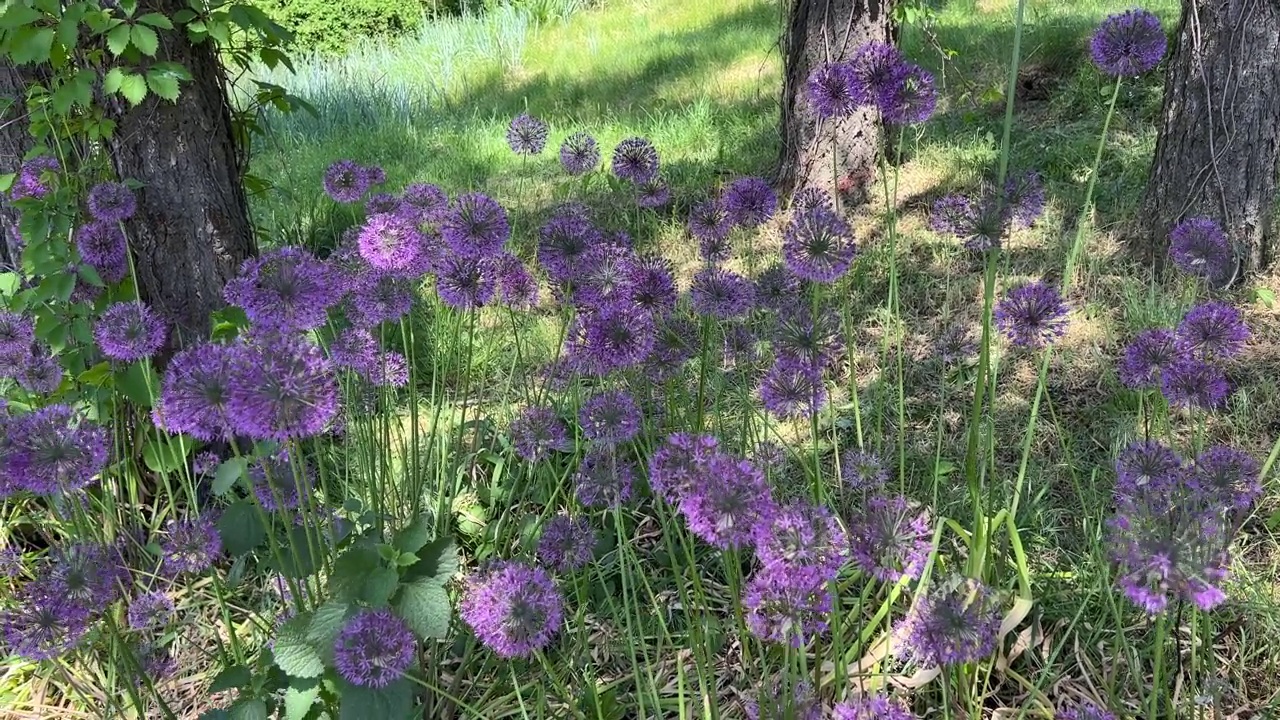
[820, 32]
[15, 141]
[1219, 140]
[192, 229]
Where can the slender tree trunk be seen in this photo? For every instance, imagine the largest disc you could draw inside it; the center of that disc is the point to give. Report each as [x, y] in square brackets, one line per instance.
[1219, 139]
[815, 153]
[15, 141]
[192, 229]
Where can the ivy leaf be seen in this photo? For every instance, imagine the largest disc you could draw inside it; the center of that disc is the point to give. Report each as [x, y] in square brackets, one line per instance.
[225, 477]
[424, 606]
[139, 382]
[241, 528]
[145, 39]
[163, 84]
[155, 19]
[30, 45]
[393, 702]
[133, 88]
[118, 39]
[293, 654]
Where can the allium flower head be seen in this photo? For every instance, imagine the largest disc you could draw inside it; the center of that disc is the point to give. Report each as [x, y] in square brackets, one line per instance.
[954, 345]
[277, 483]
[129, 331]
[514, 609]
[777, 288]
[579, 154]
[834, 90]
[195, 390]
[285, 290]
[792, 389]
[653, 194]
[727, 508]
[1212, 331]
[681, 462]
[787, 604]
[873, 707]
[36, 372]
[563, 241]
[604, 478]
[383, 203]
[1085, 711]
[651, 285]
[811, 340]
[205, 464]
[378, 297]
[191, 544]
[526, 135]
[538, 433]
[103, 247]
[721, 294]
[911, 99]
[710, 223]
[392, 242]
[784, 700]
[1200, 248]
[635, 160]
[950, 214]
[464, 283]
[1146, 358]
[803, 535]
[88, 574]
[676, 343]
[345, 181]
[1128, 44]
[1032, 316]
[891, 538]
[956, 622]
[604, 275]
[11, 563]
[427, 198]
[1194, 383]
[1147, 466]
[616, 335]
[517, 287]
[30, 182]
[476, 226]
[981, 224]
[150, 610]
[1024, 197]
[610, 417]
[817, 245]
[374, 649]
[1226, 478]
[53, 450]
[566, 543]
[749, 201]
[111, 202]
[17, 332]
[877, 69]
[282, 388]
[43, 624]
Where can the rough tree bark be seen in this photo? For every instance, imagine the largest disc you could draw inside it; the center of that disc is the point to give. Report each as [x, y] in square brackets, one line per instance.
[192, 229]
[820, 32]
[1219, 140]
[15, 141]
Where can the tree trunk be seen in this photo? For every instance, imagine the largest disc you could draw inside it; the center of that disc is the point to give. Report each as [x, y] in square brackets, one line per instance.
[1219, 141]
[192, 229]
[15, 141]
[815, 154]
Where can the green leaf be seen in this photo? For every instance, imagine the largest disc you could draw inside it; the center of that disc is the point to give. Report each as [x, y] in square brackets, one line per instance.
[326, 623]
[30, 45]
[380, 586]
[155, 19]
[118, 39]
[184, 16]
[413, 536]
[1266, 296]
[64, 283]
[236, 676]
[69, 25]
[112, 80]
[351, 570]
[18, 15]
[139, 383]
[298, 699]
[9, 283]
[96, 375]
[166, 454]
[393, 702]
[225, 477]
[296, 557]
[251, 709]
[163, 84]
[90, 275]
[438, 561]
[241, 528]
[293, 654]
[215, 714]
[145, 39]
[424, 606]
[133, 88]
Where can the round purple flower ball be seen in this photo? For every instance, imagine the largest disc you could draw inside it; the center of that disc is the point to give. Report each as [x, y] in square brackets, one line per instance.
[1147, 357]
[817, 245]
[749, 201]
[152, 609]
[537, 433]
[526, 135]
[610, 417]
[1128, 44]
[345, 181]
[877, 69]
[579, 154]
[465, 283]
[910, 100]
[566, 543]
[513, 608]
[191, 545]
[476, 226]
[1212, 331]
[1193, 383]
[390, 241]
[282, 388]
[285, 290]
[721, 294]
[374, 649]
[111, 202]
[1199, 247]
[873, 707]
[1032, 316]
[17, 332]
[103, 247]
[195, 390]
[834, 91]
[635, 160]
[952, 624]
[129, 331]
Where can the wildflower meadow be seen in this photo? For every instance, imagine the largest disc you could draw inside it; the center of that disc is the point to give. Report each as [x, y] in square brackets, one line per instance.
[610, 437]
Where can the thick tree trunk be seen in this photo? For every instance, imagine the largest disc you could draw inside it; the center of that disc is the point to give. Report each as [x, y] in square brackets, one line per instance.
[15, 141]
[1219, 139]
[192, 229]
[815, 154]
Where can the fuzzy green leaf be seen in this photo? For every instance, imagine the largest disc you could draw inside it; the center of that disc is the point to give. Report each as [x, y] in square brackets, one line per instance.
[236, 676]
[241, 528]
[298, 699]
[413, 536]
[251, 709]
[225, 477]
[293, 653]
[380, 586]
[393, 702]
[424, 606]
[351, 570]
[437, 561]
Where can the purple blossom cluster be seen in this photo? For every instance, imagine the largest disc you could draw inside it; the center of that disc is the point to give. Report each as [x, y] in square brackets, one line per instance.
[513, 608]
[982, 220]
[347, 181]
[954, 622]
[526, 135]
[33, 178]
[873, 707]
[878, 76]
[24, 359]
[1200, 248]
[374, 649]
[51, 450]
[1128, 44]
[1187, 364]
[1032, 315]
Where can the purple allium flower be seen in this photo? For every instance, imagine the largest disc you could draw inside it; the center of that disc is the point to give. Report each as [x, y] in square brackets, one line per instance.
[803, 535]
[38, 372]
[910, 100]
[284, 290]
[374, 649]
[956, 622]
[891, 539]
[1147, 357]
[1147, 466]
[53, 450]
[579, 154]
[1212, 331]
[616, 335]
[476, 226]
[43, 623]
[749, 201]
[345, 181]
[152, 609]
[709, 222]
[538, 433]
[653, 194]
[526, 135]
[873, 707]
[652, 285]
[777, 288]
[1085, 711]
[604, 478]
[610, 417]
[784, 700]
[464, 283]
[564, 239]
[392, 242]
[721, 294]
[17, 332]
[388, 369]
[730, 503]
[191, 545]
[11, 563]
[205, 464]
[787, 604]
[1032, 316]
[676, 343]
[373, 175]
[1024, 198]
[741, 347]
[30, 182]
[954, 345]
[1226, 478]
[195, 391]
[791, 389]
[282, 388]
[635, 160]
[603, 275]
[877, 68]
[88, 574]
[277, 484]
[382, 203]
[680, 463]
[566, 543]
[513, 608]
[817, 245]
[810, 197]
[103, 247]
[1200, 248]
[951, 214]
[156, 660]
[981, 224]
[378, 297]
[801, 337]
[353, 348]
[429, 199]
[129, 331]
[111, 202]
[516, 285]
[1194, 383]
[1128, 44]
[834, 90]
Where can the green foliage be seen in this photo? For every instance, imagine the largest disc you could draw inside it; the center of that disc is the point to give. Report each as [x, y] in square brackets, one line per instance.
[330, 27]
